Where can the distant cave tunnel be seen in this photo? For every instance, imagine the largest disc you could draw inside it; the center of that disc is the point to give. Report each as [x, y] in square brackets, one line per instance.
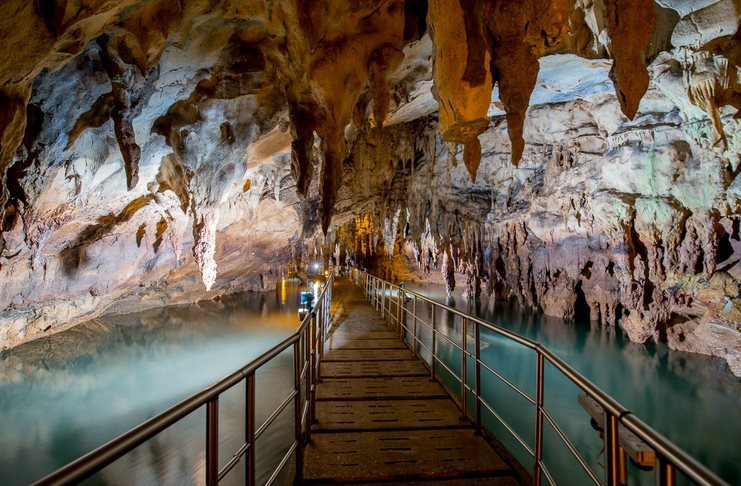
[581, 307]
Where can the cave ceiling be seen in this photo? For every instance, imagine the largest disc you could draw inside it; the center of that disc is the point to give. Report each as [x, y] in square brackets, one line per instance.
[207, 142]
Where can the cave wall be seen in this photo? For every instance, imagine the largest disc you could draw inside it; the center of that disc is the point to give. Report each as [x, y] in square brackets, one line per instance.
[580, 157]
[633, 223]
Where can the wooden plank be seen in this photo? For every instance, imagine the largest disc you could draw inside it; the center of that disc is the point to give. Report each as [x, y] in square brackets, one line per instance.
[406, 455]
[375, 388]
[368, 355]
[387, 415]
[362, 369]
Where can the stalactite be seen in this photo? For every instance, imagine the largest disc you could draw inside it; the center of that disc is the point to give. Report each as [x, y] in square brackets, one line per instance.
[630, 24]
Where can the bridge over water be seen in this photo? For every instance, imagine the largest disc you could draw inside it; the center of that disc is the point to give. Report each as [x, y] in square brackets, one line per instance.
[369, 406]
[380, 416]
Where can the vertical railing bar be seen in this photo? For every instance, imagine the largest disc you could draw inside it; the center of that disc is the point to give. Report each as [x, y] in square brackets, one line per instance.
[611, 449]
[623, 467]
[414, 330]
[538, 456]
[434, 351]
[665, 474]
[402, 323]
[383, 298]
[477, 338]
[398, 308]
[310, 370]
[250, 429]
[317, 325]
[464, 362]
[375, 293]
[212, 442]
[297, 412]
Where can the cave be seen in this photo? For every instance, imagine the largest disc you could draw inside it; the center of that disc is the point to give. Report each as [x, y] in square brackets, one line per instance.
[175, 172]
[581, 307]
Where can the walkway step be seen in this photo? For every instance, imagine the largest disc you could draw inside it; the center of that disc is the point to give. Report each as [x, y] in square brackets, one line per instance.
[375, 388]
[387, 415]
[368, 355]
[490, 481]
[360, 324]
[346, 337]
[365, 343]
[363, 369]
[402, 455]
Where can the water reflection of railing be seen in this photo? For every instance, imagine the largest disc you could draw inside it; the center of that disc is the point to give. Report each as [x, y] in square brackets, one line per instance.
[391, 301]
[308, 347]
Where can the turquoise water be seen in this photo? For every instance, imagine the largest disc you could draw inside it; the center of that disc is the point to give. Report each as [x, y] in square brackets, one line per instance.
[65, 395]
[691, 399]
[62, 396]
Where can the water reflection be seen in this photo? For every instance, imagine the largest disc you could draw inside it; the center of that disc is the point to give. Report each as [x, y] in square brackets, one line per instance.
[691, 399]
[67, 394]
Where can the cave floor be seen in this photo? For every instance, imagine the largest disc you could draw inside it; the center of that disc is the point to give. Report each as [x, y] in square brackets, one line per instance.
[379, 417]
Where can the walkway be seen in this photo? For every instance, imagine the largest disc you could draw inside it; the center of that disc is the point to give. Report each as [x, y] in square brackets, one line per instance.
[379, 417]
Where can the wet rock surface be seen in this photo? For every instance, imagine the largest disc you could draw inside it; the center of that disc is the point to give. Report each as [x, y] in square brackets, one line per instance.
[580, 157]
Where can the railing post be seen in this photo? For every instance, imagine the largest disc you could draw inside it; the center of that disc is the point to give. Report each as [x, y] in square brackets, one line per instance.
[612, 450]
[317, 334]
[250, 429]
[318, 343]
[477, 353]
[399, 308]
[414, 330]
[297, 412]
[623, 467]
[433, 346]
[212, 442]
[665, 475]
[538, 456]
[309, 374]
[464, 362]
[383, 298]
[403, 322]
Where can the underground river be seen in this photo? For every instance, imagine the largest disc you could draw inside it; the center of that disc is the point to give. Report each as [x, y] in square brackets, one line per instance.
[64, 395]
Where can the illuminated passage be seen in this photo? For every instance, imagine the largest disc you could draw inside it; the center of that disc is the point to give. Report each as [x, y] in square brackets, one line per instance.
[379, 417]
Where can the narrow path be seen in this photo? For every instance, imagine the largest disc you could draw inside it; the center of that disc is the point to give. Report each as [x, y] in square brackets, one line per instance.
[379, 417]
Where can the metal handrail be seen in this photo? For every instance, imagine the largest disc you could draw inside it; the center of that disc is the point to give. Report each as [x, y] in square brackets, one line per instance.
[669, 457]
[310, 335]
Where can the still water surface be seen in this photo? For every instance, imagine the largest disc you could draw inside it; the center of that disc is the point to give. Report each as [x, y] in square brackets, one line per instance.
[693, 400]
[65, 395]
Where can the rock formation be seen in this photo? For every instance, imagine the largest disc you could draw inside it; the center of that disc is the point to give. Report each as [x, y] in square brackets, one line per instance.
[578, 156]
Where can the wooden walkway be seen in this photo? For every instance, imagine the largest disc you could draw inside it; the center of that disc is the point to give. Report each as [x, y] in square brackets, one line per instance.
[381, 420]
